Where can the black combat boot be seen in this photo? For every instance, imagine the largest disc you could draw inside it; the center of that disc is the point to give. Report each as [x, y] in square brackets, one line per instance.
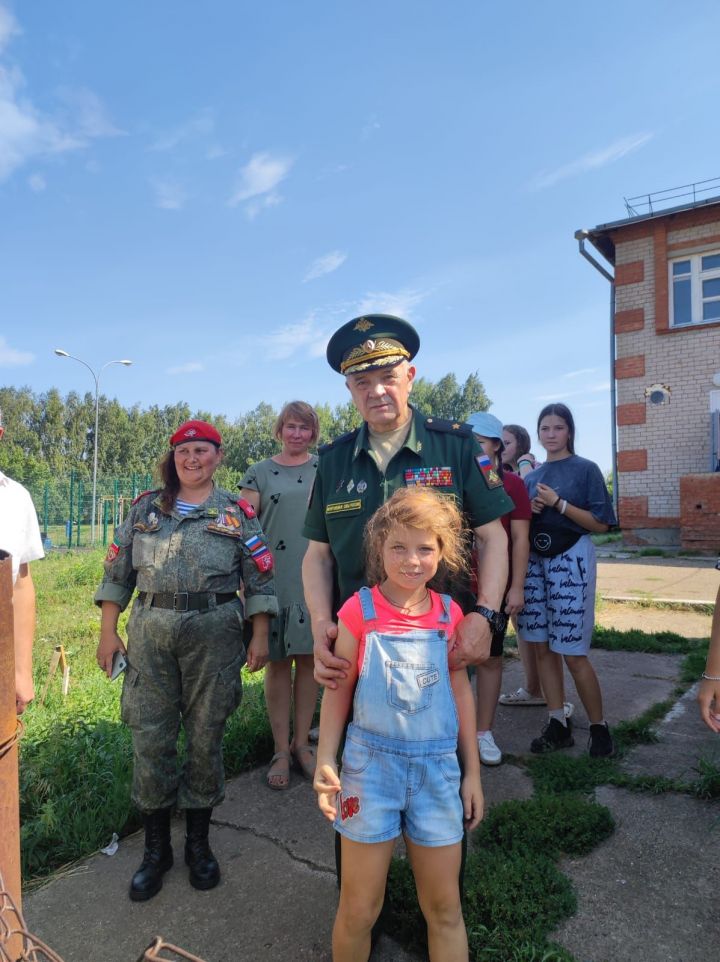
[204, 869]
[158, 857]
[554, 735]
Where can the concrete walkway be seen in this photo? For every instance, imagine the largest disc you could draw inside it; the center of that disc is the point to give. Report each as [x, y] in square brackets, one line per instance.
[647, 893]
[661, 580]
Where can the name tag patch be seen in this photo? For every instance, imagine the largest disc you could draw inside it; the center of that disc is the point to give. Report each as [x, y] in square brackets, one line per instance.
[429, 678]
[342, 507]
[429, 477]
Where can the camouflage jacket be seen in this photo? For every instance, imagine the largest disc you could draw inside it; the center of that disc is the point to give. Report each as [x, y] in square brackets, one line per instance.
[217, 548]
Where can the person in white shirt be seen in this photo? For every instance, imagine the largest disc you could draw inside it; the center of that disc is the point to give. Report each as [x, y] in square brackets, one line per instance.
[20, 537]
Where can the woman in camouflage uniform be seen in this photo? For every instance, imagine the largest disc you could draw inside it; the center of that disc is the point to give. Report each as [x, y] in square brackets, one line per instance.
[187, 548]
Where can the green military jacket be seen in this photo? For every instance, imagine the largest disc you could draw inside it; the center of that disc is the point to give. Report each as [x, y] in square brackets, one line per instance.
[349, 487]
[214, 548]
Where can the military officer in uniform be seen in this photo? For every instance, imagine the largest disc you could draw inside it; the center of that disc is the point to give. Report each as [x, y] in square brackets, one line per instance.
[396, 446]
[186, 548]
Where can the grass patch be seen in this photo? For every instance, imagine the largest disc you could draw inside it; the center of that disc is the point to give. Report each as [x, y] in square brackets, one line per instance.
[612, 537]
[708, 782]
[632, 639]
[514, 894]
[76, 756]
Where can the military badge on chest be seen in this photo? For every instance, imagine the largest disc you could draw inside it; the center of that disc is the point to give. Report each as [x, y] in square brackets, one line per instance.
[226, 523]
[150, 524]
[434, 477]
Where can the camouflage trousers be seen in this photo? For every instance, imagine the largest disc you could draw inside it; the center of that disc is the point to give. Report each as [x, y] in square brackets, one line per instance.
[182, 667]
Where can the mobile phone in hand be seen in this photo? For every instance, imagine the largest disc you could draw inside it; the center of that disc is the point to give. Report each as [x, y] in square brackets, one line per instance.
[119, 664]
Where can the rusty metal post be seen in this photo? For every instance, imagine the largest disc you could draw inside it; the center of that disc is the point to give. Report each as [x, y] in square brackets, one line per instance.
[9, 797]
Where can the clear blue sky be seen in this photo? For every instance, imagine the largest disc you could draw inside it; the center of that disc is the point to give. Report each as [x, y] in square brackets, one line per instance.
[210, 189]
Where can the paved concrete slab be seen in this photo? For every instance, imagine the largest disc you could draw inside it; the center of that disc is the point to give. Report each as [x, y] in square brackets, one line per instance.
[278, 894]
[658, 579]
[631, 683]
[649, 893]
[268, 906]
[683, 741]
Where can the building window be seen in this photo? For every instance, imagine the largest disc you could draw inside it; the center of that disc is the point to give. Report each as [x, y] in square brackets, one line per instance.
[695, 289]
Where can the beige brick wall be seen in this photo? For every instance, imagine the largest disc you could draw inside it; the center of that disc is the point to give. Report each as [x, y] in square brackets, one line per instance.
[676, 435]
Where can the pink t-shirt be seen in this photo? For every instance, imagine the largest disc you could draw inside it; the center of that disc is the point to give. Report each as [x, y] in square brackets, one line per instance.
[391, 621]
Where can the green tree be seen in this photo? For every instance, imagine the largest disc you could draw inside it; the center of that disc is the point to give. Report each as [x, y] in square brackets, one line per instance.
[447, 399]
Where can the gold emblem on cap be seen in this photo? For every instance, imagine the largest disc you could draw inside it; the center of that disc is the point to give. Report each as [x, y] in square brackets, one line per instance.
[363, 325]
[456, 426]
[368, 345]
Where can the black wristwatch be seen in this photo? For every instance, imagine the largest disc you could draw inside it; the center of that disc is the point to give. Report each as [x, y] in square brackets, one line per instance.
[498, 621]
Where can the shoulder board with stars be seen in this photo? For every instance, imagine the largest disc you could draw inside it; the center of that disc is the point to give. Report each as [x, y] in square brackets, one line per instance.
[343, 439]
[449, 427]
[150, 491]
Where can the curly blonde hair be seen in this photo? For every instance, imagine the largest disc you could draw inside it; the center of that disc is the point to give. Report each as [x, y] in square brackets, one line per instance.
[424, 510]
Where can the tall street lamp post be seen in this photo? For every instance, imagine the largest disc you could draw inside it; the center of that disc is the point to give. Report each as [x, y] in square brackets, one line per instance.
[96, 376]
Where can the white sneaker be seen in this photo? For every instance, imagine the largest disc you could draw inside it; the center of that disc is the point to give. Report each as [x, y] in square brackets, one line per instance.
[490, 754]
[569, 709]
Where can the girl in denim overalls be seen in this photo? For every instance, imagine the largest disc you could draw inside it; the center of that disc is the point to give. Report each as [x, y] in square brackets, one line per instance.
[410, 715]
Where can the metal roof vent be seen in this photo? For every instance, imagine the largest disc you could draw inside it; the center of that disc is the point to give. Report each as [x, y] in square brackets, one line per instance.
[658, 394]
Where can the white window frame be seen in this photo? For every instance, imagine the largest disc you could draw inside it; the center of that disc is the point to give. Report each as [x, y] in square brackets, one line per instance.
[697, 276]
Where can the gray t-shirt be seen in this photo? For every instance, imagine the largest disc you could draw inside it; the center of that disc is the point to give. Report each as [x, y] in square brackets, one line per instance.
[581, 483]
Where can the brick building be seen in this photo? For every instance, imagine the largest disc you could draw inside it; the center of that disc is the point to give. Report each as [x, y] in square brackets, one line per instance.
[665, 297]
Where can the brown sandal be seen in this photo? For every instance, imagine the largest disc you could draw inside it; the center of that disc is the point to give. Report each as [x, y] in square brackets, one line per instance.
[307, 769]
[284, 777]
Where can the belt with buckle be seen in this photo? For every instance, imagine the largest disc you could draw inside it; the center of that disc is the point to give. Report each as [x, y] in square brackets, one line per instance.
[187, 600]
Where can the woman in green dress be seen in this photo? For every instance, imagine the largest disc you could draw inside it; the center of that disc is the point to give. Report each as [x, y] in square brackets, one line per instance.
[279, 488]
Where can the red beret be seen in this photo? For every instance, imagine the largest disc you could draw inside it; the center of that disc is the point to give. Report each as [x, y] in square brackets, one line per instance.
[196, 431]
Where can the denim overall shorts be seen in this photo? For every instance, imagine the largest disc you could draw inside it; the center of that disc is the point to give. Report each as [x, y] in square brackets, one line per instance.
[400, 771]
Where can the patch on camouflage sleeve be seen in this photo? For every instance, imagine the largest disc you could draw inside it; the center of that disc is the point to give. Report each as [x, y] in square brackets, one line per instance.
[112, 552]
[490, 476]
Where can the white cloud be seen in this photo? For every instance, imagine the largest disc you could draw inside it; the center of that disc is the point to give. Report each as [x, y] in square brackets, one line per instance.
[592, 161]
[401, 303]
[169, 194]
[8, 27]
[370, 127]
[28, 134]
[11, 357]
[192, 367]
[37, 183]
[85, 114]
[580, 372]
[257, 182]
[201, 125]
[563, 395]
[325, 265]
[306, 335]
